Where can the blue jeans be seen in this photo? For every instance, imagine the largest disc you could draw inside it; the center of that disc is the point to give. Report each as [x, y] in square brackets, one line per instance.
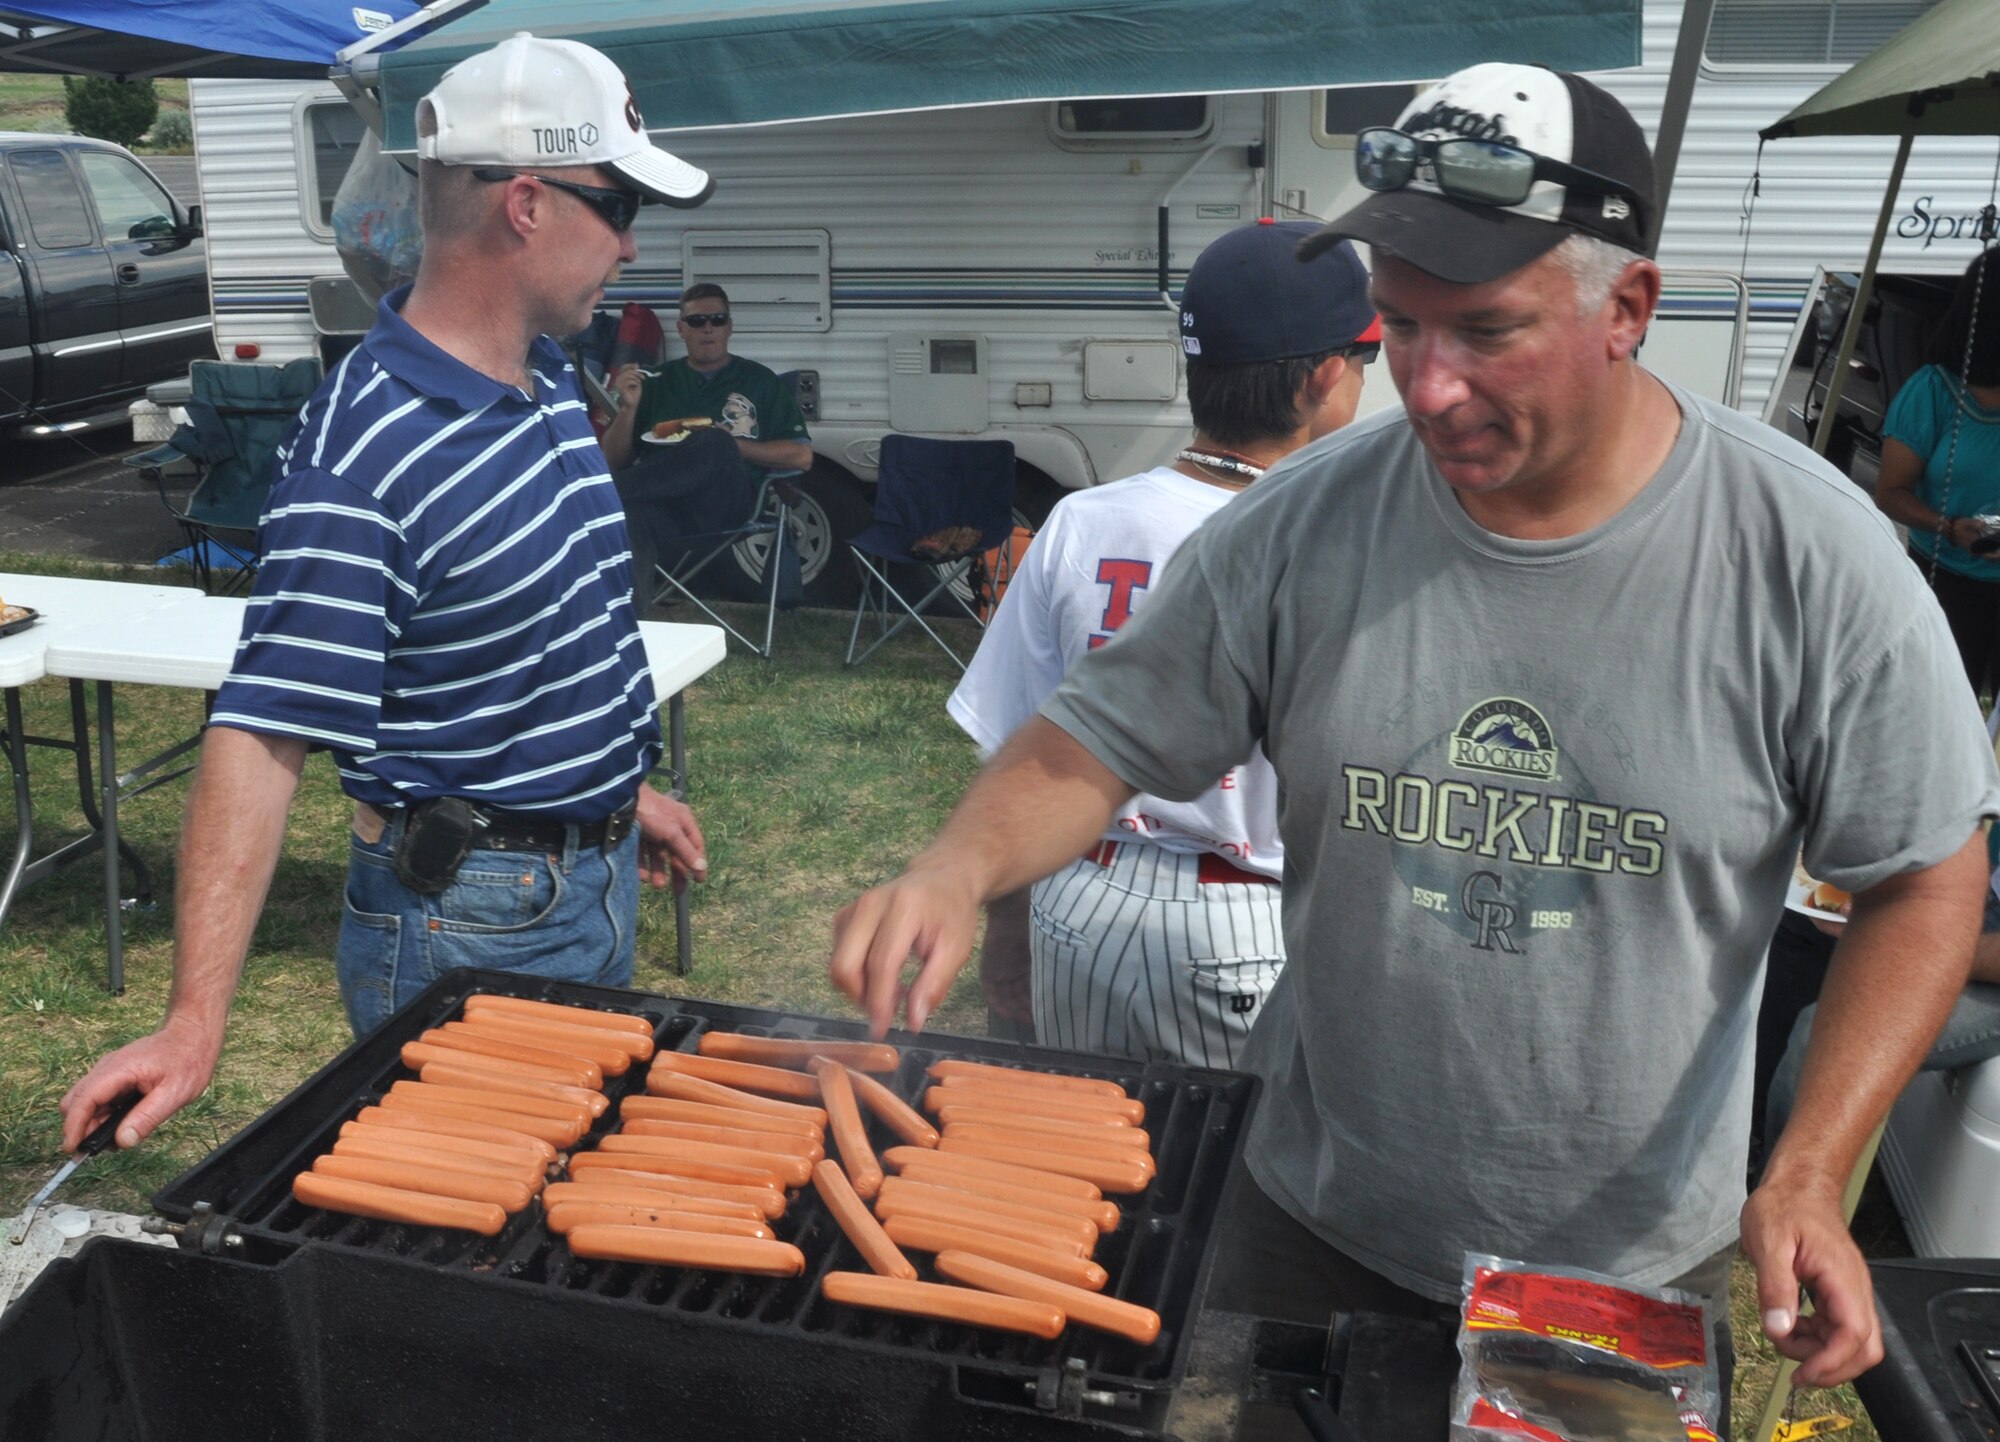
[1971, 1035]
[569, 915]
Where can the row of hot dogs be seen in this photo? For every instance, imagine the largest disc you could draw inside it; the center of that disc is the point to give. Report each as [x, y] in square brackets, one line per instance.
[1006, 1191]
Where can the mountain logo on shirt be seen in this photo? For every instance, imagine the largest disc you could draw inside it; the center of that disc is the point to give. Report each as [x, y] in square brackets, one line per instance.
[1507, 737]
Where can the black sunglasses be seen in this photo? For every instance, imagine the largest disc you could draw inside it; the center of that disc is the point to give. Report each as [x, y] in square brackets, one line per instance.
[1483, 172]
[718, 319]
[616, 208]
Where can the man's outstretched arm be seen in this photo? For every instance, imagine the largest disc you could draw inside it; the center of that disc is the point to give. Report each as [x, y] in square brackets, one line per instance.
[1037, 804]
[230, 841]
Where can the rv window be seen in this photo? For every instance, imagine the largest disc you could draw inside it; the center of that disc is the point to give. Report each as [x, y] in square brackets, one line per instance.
[56, 212]
[336, 131]
[1805, 32]
[1345, 109]
[130, 206]
[1153, 117]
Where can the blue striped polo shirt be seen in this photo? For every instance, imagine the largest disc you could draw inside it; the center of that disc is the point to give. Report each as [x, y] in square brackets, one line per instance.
[445, 602]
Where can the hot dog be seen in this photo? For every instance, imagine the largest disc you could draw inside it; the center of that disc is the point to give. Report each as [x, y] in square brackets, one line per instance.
[1102, 1215]
[773, 1143]
[1069, 1106]
[1007, 1075]
[417, 1055]
[578, 1071]
[744, 1076]
[559, 1194]
[769, 1201]
[790, 1171]
[1078, 1240]
[549, 1108]
[1097, 1127]
[850, 1136]
[947, 1304]
[504, 1192]
[733, 1174]
[1021, 1176]
[451, 1074]
[562, 1218]
[1029, 1139]
[892, 1111]
[695, 1089]
[925, 1234]
[1085, 1308]
[385, 1144]
[851, 1213]
[1064, 1224]
[392, 1204]
[454, 1127]
[612, 1050]
[556, 1134]
[669, 1109]
[481, 1001]
[524, 1152]
[498, 1026]
[1111, 1174]
[797, 1053]
[660, 1247]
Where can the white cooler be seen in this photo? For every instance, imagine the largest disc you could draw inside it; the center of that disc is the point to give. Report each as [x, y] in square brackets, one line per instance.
[1941, 1154]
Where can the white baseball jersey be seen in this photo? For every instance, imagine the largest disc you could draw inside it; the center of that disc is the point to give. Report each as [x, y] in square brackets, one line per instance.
[1089, 568]
[1135, 955]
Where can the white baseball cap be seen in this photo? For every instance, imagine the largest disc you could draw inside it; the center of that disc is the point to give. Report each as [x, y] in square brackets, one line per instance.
[530, 101]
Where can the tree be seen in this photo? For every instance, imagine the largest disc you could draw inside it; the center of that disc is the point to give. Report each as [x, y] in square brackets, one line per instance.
[116, 110]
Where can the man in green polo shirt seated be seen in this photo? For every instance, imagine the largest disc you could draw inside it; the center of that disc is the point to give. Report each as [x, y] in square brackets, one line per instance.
[738, 395]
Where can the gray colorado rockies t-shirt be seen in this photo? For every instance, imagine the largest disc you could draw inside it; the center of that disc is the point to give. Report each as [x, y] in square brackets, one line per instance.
[1540, 803]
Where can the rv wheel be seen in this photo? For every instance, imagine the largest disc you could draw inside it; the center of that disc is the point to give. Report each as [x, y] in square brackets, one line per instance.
[831, 509]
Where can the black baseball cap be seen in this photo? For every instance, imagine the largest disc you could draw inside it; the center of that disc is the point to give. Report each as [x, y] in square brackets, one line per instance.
[1549, 113]
[1250, 297]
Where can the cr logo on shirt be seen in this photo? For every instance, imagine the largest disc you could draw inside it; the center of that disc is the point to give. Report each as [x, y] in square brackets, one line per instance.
[1480, 902]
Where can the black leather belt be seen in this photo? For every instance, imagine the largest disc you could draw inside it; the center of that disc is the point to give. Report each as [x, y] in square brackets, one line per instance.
[525, 831]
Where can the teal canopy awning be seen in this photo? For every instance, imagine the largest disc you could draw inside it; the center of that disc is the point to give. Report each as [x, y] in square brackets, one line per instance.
[740, 62]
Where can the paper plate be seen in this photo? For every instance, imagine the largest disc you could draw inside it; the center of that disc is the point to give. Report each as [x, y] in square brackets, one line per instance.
[1795, 900]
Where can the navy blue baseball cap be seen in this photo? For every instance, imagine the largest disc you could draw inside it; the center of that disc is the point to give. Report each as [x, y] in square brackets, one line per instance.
[1249, 297]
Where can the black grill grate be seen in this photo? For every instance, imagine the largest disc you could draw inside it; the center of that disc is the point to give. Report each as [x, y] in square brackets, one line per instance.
[1157, 1257]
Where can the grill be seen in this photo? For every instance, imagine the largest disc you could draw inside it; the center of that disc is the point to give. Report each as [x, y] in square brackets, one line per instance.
[351, 1319]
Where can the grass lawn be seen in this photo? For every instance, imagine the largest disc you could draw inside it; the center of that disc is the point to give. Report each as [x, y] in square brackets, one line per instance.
[35, 102]
[811, 783]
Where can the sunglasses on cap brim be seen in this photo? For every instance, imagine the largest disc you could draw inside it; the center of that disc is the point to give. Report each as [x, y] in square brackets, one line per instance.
[1480, 172]
[616, 208]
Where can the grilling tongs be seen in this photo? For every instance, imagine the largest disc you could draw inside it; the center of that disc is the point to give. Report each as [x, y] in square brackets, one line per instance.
[99, 1140]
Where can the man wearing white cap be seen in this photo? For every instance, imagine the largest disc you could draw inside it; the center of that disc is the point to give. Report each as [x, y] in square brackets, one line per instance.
[445, 602]
[1557, 668]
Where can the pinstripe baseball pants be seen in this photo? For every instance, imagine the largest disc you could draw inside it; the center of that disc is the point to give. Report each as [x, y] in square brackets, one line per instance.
[1142, 958]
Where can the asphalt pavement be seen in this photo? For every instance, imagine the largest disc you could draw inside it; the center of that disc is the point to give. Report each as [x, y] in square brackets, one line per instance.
[74, 496]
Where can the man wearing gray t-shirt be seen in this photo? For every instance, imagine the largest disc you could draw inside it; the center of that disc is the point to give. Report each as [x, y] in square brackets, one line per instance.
[1557, 668]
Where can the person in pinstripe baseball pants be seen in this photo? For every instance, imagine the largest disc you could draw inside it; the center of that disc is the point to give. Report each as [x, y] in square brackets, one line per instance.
[1163, 940]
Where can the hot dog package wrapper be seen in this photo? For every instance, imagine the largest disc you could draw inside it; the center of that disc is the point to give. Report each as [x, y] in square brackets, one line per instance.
[1557, 1354]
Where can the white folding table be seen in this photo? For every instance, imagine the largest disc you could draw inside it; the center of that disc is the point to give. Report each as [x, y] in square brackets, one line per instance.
[194, 645]
[189, 645]
[67, 606]
[677, 654]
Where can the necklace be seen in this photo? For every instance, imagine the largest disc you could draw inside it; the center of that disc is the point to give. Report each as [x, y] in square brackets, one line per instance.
[1232, 465]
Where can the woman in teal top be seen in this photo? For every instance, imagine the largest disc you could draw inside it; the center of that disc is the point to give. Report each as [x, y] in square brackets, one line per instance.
[1941, 468]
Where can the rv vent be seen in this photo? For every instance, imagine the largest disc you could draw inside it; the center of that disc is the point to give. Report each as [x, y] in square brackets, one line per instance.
[777, 280]
[908, 360]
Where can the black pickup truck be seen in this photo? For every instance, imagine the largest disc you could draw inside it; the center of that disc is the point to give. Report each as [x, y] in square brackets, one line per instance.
[104, 289]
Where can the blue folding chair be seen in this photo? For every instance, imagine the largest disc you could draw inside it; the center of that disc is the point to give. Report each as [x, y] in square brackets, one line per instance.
[238, 416]
[939, 506]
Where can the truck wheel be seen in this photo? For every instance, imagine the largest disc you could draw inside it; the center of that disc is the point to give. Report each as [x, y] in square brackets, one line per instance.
[832, 508]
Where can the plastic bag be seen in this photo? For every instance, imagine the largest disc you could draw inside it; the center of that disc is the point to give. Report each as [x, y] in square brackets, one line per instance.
[376, 229]
[1557, 1354]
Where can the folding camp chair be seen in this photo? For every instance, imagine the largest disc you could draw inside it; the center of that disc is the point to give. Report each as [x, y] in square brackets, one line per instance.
[688, 508]
[940, 505]
[237, 418]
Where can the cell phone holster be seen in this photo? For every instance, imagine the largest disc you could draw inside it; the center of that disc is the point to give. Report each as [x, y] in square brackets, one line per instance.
[437, 837]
